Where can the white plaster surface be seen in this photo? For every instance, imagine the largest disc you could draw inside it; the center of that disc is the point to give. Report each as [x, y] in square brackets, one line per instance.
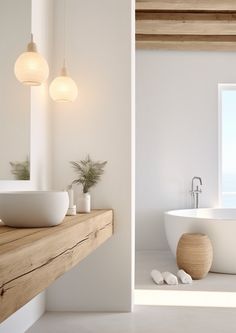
[41, 22]
[215, 290]
[176, 134]
[97, 123]
[26, 316]
[165, 261]
[143, 320]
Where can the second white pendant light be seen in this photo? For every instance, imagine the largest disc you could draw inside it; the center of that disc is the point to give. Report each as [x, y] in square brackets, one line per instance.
[63, 88]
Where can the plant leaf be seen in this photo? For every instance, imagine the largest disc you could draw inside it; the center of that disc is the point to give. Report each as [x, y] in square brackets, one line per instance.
[89, 172]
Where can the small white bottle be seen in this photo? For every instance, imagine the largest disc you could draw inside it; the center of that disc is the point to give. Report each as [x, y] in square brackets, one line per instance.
[72, 208]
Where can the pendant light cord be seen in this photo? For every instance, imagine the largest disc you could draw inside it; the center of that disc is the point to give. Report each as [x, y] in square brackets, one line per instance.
[64, 49]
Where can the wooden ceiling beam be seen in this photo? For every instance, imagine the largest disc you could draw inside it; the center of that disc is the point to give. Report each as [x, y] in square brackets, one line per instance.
[186, 24]
[183, 16]
[186, 45]
[186, 5]
[193, 27]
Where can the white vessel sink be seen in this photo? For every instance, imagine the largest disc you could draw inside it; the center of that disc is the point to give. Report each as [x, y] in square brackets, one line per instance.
[31, 209]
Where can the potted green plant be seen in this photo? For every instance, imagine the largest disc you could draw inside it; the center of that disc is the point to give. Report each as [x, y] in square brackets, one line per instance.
[89, 173]
[21, 170]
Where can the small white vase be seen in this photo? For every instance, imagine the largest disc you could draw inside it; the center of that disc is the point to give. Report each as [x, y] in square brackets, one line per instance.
[84, 203]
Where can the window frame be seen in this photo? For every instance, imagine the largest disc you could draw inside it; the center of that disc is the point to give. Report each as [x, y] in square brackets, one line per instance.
[221, 87]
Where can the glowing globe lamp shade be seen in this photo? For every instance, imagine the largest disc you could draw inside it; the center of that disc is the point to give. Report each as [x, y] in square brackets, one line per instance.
[63, 88]
[30, 67]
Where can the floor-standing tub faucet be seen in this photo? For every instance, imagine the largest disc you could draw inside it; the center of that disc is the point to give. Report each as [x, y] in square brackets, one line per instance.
[196, 190]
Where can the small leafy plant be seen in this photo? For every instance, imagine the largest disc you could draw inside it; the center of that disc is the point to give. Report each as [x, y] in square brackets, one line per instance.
[89, 172]
[21, 170]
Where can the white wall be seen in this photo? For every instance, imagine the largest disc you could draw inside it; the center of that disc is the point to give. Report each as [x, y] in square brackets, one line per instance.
[176, 133]
[42, 20]
[98, 123]
[15, 112]
[25, 317]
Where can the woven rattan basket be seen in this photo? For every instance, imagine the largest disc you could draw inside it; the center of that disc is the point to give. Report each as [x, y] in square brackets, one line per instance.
[194, 255]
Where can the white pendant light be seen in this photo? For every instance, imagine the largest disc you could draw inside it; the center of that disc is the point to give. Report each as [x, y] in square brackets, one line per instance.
[30, 67]
[63, 88]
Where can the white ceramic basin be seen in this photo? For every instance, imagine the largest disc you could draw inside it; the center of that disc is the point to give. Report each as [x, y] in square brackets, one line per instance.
[29, 209]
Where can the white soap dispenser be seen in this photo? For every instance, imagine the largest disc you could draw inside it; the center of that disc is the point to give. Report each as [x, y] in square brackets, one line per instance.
[72, 208]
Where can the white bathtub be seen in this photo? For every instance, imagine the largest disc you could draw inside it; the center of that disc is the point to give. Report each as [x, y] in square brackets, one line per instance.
[218, 223]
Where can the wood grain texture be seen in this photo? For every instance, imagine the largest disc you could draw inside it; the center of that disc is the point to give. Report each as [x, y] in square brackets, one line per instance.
[187, 5]
[35, 258]
[189, 27]
[185, 45]
[180, 18]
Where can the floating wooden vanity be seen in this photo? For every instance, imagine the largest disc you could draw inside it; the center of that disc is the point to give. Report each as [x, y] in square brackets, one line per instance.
[31, 259]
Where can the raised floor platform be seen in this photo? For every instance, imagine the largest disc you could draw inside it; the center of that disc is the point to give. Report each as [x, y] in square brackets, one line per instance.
[217, 290]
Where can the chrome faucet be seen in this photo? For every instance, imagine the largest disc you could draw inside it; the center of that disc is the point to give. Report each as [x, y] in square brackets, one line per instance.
[195, 191]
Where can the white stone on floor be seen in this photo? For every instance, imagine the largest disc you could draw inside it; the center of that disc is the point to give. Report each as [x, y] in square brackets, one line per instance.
[214, 290]
[143, 320]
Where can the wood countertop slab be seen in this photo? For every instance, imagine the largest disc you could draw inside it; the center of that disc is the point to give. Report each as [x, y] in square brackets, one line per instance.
[32, 258]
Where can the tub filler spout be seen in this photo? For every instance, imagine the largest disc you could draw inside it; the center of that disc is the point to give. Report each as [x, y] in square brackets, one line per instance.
[196, 190]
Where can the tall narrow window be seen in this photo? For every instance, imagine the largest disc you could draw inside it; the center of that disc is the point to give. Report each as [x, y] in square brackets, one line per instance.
[227, 127]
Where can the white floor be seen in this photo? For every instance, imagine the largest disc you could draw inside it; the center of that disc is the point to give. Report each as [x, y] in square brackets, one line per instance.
[211, 306]
[142, 320]
[215, 290]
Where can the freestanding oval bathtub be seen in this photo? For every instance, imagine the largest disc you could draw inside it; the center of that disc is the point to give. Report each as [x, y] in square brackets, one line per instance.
[218, 223]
